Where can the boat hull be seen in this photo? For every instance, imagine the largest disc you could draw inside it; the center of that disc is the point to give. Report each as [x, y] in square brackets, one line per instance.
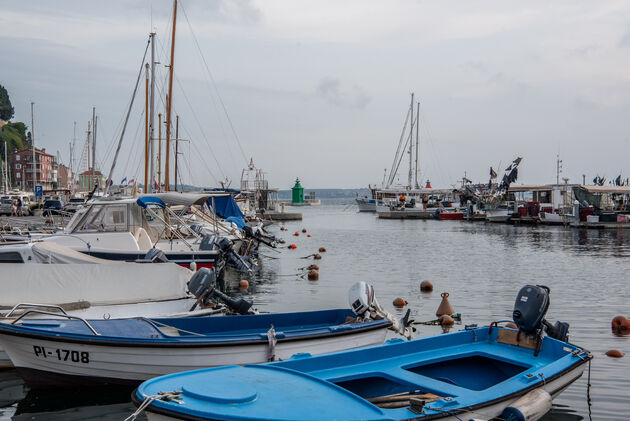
[51, 363]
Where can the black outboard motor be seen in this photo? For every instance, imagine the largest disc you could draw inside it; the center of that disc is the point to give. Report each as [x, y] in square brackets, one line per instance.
[224, 244]
[155, 256]
[239, 306]
[532, 303]
[203, 286]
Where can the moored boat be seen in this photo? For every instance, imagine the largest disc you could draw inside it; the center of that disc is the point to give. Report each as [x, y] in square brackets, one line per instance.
[479, 373]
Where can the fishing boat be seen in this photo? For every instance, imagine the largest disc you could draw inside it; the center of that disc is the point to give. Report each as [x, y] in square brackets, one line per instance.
[476, 373]
[69, 350]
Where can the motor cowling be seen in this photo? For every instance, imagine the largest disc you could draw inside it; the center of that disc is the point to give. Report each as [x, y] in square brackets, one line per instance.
[532, 303]
[156, 256]
[202, 282]
[364, 304]
[361, 298]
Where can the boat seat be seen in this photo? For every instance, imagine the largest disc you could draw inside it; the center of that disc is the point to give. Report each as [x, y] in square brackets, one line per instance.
[142, 238]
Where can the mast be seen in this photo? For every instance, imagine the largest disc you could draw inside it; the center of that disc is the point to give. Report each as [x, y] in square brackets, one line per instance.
[170, 99]
[88, 156]
[417, 144]
[409, 179]
[34, 179]
[152, 115]
[93, 140]
[159, 159]
[6, 170]
[176, 149]
[146, 128]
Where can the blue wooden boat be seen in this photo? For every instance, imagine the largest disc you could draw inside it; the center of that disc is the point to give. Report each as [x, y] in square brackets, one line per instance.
[69, 350]
[476, 373]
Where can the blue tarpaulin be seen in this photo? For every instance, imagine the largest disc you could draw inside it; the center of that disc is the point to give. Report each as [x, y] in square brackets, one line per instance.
[225, 206]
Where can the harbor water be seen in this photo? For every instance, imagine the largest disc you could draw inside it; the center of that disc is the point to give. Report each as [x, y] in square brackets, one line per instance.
[481, 265]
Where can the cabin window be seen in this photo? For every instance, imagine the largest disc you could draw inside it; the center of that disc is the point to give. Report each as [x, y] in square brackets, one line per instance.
[104, 218]
[11, 257]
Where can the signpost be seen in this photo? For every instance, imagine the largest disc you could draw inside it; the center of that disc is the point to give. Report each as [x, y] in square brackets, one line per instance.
[38, 191]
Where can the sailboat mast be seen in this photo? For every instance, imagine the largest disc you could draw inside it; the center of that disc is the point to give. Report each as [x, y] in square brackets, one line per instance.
[409, 179]
[149, 187]
[34, 179]
[159, 158]
[170, 100]
[6, 170]
[176, 149]
[146, 127]
[88, 153]
[417, 144]
[93, 140]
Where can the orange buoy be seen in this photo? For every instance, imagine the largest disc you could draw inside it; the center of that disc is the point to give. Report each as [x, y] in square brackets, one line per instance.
[308, 235]
[511, 325]
[399, 302]
[445, 307]
[317, 256]
[296, 234]
[313, 275]
[293, 246]
[304, 230]
[615, 353]
[446, 320]
[621, 325]
[244, 283]
[313, 267]
[322, 250]
[282, 242]
[426, 286]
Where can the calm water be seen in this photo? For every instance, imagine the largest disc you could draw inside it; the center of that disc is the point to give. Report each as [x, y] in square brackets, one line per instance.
[481, 265]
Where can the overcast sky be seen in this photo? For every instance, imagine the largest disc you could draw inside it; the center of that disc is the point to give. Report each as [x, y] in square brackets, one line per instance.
[319, 89]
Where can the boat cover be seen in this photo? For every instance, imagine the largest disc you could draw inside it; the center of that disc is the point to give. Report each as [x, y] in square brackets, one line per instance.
[50, 252]
[98, 284]
[225, 207]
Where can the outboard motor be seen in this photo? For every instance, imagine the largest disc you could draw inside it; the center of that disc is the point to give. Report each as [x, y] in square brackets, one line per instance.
[155, 256]
[532, 303]
[239, 306]
[209, 242]
[201, 285]
[364, 304]
[224, 244]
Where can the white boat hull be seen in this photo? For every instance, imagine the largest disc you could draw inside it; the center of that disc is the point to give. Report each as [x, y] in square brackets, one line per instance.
[494, 410]
[498, 215]
[48, 362]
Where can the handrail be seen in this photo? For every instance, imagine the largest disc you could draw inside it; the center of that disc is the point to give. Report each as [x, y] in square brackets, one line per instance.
[22, 305]
[67, 316]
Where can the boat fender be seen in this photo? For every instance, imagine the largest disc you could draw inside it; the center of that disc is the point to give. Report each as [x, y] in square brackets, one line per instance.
[445, 306]
[621, 325]
[530, 407]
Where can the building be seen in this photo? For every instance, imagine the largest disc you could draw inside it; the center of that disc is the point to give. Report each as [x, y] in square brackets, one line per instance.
[64, 177]
[88, 179]
[22, 169]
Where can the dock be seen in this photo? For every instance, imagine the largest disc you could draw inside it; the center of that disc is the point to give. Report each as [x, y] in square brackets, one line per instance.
[406, 214]
[283, 216]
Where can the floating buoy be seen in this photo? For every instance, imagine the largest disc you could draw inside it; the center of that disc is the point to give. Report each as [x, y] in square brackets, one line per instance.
[292, 246]
[297, 234]
[445, 307]
[426, 286]
[621, 325]
[313, 267]
[243, 284]
[615, 353]
[283, 242]
[399, 302]
[313, 275]
[317, 256]
[446, 320]
[304, 230]
[322, 249]
[308, 235]
[511, 325]
[529, 407]
[193, 266]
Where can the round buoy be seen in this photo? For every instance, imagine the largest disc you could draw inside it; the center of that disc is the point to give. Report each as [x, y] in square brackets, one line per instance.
[283, 241]
[445, 306]
[304, 230]
[317, 256]
[292, 246]
[322, 250]
[621, 325]
[446, 320]
[244, 283]
[308, 235]
[297, 234]
[426, 286]
[313, 267]
[511, 325]
[615, 353]
[399, 302]
[313, 275]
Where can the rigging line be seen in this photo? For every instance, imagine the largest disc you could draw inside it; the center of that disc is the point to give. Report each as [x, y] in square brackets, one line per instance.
[135, 147]
[200, 154]
[437, 165]
[203, 133]
[122, 134]
[238, 141]
[392, 173]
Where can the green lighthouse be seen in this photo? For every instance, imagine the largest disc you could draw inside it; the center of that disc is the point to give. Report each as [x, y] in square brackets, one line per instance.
[298, 192]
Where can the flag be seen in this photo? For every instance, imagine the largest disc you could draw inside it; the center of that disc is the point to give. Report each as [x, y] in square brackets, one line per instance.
[131, 181]
[517, 160]
[109, 182]
[123, 180]
[155, 184]
[493, 173]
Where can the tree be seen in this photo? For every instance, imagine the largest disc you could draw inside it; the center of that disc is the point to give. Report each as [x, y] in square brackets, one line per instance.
[6, 109]
[14, 134]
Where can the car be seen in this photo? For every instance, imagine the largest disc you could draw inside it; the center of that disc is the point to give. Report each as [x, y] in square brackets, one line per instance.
[53, 206]
[74, 204]
[5, 204]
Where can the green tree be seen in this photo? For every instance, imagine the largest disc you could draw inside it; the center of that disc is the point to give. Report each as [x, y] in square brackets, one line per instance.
[14, 134]
[6, 109]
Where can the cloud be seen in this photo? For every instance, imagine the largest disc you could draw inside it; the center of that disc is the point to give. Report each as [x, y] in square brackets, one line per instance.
[624, 42]
[331, 91]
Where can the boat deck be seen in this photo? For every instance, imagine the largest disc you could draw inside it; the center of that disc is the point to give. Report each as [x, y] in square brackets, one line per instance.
[407, 214]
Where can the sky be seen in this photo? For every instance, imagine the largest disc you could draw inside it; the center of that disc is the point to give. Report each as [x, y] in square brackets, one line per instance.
[320, 89]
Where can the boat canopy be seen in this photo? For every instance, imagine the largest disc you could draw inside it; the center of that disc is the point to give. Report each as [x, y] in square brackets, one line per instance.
[186, 199]
[225, 207]
[145, 201]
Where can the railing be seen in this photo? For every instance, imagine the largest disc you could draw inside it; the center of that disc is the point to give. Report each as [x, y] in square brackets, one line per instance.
[67, 316]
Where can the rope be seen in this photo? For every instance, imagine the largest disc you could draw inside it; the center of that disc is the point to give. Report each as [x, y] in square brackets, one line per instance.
[174, 396]
[271, 339]
[589, 402]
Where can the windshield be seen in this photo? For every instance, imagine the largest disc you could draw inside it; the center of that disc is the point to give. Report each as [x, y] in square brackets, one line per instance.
[104, 218]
